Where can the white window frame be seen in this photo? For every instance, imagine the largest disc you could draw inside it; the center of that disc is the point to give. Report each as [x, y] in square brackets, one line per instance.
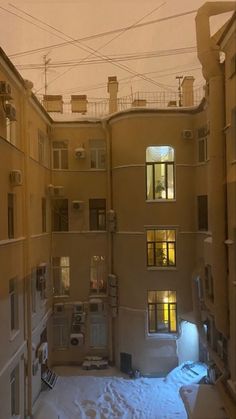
[97, 154]
[58, 270]
[159, 188]
[59, 150]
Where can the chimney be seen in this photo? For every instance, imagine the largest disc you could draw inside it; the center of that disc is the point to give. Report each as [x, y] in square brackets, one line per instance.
[53, 103]
[79, 103]
[187, 91]
[112, 88]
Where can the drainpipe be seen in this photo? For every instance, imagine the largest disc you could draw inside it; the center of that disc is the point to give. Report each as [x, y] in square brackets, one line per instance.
[111, 325]
[208, 54]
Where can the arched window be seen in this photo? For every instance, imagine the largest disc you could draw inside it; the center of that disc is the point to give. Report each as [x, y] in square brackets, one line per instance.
[160, 172]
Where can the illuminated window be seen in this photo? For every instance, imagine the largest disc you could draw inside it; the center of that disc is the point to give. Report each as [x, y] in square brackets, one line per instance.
[97, 275]
[162, 312]
[161, 248]
[97, 154]
[61, 276]
[160, 173]
[97, 214]
[60, 155]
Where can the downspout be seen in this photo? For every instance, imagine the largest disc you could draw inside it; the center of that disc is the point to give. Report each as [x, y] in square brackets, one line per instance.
[208, 54]
[27, 252]
[106, 129]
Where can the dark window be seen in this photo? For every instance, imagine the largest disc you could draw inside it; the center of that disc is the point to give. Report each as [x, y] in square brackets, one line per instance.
[60, 220]
[202, 204]
[209, 283]
[44, 215]
[233, 66]
[162, 312]
[97, 214]
[10, 215]
[202, 150]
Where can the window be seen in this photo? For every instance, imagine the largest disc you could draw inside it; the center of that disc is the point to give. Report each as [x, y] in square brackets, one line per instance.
[161, 248]
[97, 275]
[11, 199]
[209, 283]
[33, 290]
[97, 154]
[61, 276]
[60, 332]
[162, 312]
[13, 297]
[14, 388]
[11, 131]
[160, 173]
[202, 204]
[60, 155]
[41, 147]
[44, 215]
[202, 143]
[97, 214]
[232, 66]
[60, 221]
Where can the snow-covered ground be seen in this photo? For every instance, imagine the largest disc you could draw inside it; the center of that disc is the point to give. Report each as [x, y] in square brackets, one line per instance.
[110, 397]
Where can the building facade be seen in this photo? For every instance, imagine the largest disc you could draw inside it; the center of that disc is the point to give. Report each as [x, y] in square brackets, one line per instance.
[117, 234]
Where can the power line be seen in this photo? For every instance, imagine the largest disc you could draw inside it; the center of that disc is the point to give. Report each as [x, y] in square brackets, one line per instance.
[98, 35]
[95, 52]
[113, 58]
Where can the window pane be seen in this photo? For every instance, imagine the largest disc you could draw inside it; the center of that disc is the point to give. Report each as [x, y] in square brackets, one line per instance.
[160, 190]
[161, 254]
[64, 159]
[170, 181]
[150, 255]
[151, 318]
[150, 182]
[162, 318]
[173, 323]
[150, 235]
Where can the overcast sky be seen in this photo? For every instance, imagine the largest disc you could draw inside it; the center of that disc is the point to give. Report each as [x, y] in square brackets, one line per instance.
[57, 21]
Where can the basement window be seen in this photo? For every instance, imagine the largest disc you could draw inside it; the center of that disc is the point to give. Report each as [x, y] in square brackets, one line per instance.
[162, 312]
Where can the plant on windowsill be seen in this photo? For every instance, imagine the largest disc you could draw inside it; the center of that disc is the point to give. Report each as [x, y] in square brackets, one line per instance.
[159, 188]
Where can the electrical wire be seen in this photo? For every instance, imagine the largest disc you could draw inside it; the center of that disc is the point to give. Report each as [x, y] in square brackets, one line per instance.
[96, 52]
[95, 36]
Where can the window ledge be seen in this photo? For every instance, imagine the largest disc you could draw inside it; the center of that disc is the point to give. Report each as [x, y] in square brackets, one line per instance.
[160, 200]
[14, 334]
[161, 268]
[161, 336]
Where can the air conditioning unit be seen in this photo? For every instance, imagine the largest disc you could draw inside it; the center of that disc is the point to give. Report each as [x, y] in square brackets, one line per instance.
[187, 134]
[96, 305]
[35, 366]
[80, 153]
[112, 280]
[58, 308]
[5, 90]
[76, 339]
[10, 112]
[43, 353]
[78, 307]
[79, 317]
[58, 191]
[16, 177]
[76, 205]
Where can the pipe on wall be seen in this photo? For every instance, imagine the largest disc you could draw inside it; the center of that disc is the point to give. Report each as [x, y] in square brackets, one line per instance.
[209, 56]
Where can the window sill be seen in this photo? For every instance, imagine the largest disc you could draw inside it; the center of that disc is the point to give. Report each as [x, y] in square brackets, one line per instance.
[162, 268]
[161, 336]
[160, 200]
[14, 334]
